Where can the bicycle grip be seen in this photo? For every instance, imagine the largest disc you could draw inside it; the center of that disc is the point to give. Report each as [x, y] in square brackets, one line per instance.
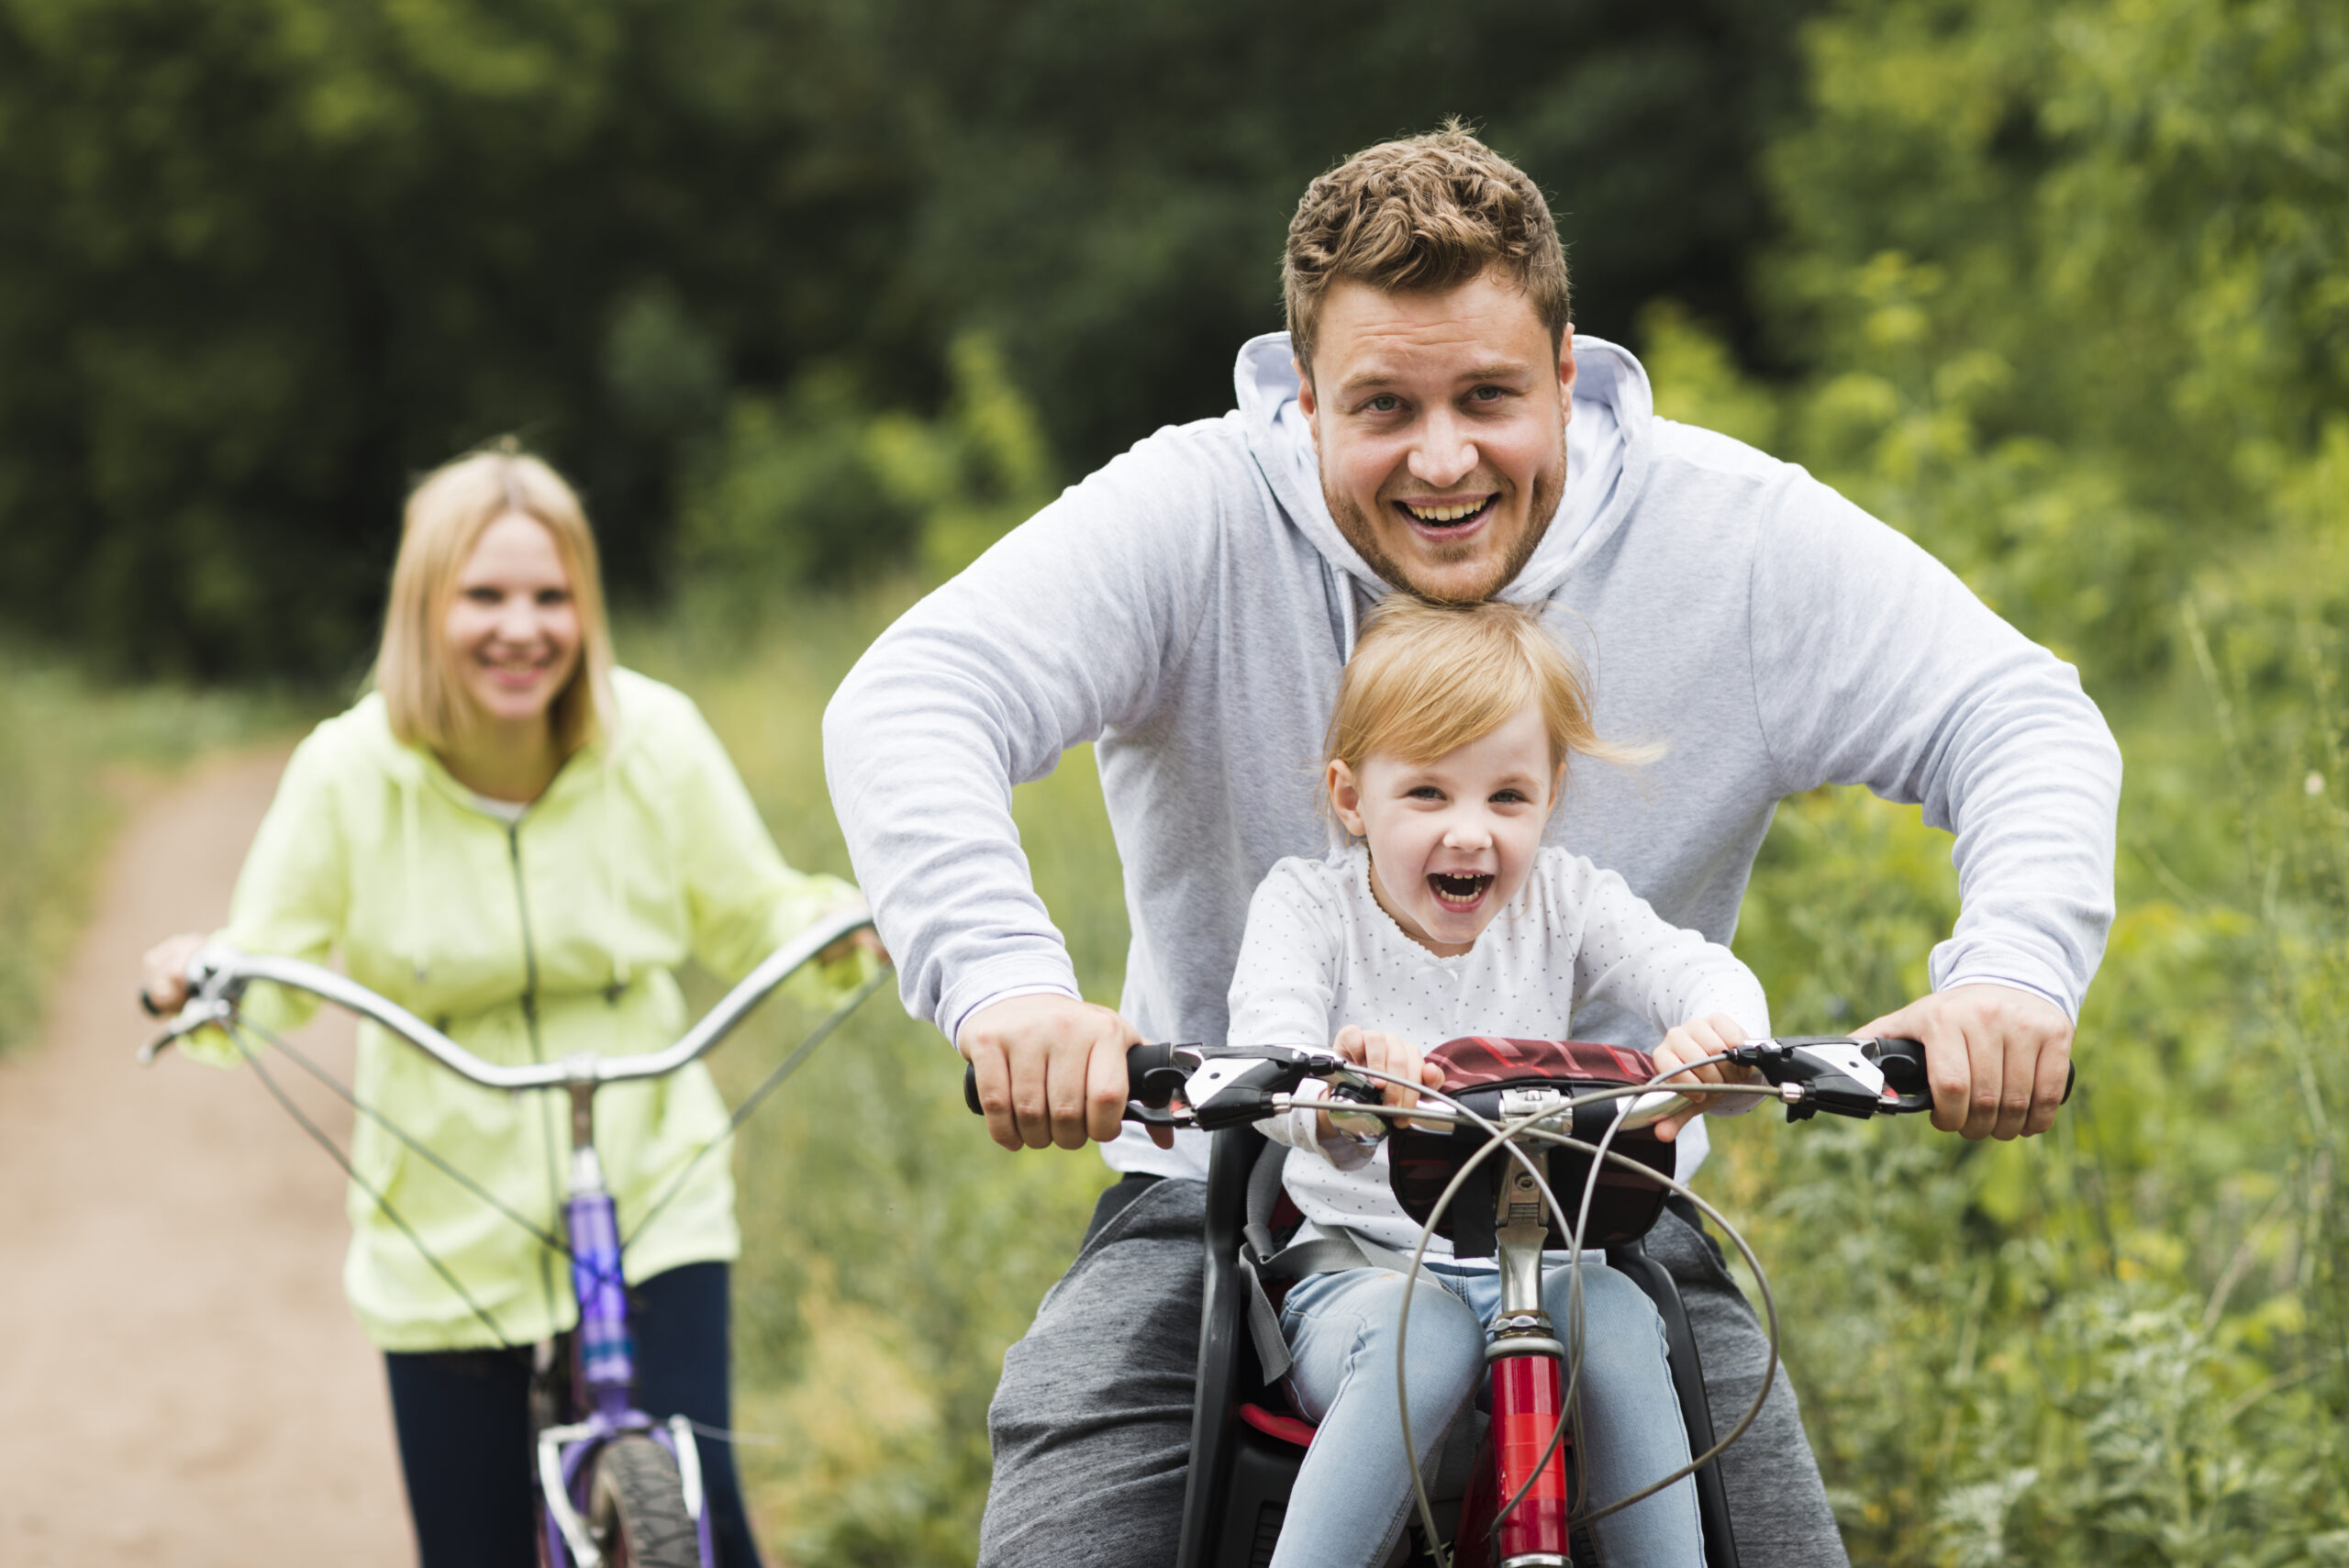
[1903, 1061]
[1151, 1077]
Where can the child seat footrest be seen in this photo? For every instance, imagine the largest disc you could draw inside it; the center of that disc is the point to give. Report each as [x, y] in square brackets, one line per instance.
[1289, 1428]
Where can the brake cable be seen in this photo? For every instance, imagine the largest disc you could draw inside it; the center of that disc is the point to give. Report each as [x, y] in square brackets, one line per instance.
[235, 1029]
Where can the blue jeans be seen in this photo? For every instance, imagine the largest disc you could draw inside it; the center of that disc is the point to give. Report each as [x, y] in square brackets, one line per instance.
[1355, 1493]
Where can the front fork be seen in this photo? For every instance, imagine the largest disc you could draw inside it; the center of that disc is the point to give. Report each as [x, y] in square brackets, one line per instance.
[1525, 1355]
[604, 1367]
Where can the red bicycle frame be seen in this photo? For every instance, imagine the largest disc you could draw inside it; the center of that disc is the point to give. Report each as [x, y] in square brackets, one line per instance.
[1524, 1354]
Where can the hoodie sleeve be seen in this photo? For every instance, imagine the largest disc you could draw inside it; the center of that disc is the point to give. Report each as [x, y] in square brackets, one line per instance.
[290, 898]
[1069, 625]
[1874, 664]
[742, 900]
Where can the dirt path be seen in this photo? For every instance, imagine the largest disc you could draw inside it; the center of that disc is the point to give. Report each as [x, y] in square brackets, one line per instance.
[180, 1381]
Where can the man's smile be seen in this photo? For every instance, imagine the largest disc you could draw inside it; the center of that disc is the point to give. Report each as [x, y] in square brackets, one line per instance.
[1448, 519]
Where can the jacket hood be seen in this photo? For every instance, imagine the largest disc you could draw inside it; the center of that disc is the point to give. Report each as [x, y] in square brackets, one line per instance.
[1607, 448]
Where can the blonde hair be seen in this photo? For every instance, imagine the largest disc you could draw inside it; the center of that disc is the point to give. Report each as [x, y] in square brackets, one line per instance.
[447, 514]
[1426, 679]
[1428, 212]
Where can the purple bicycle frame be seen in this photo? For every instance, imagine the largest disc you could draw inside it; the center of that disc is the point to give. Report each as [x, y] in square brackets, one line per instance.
[604, 1368]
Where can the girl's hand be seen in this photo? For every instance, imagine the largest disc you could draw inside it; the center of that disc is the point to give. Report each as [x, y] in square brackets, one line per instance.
[163, 972]
[1386, 1053]
[1694, 1042]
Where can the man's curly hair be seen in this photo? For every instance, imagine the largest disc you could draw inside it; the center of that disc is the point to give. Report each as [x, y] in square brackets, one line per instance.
[1428, 212]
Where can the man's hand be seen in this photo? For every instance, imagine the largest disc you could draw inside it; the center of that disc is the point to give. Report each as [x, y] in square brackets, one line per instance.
[1997, 1057]
[1052, 1069]
[1694, 1042]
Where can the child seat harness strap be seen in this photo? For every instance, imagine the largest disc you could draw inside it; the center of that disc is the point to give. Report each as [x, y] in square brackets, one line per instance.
[1262, 1262]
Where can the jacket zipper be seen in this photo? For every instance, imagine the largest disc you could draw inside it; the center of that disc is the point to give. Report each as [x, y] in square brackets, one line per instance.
[537, 1053]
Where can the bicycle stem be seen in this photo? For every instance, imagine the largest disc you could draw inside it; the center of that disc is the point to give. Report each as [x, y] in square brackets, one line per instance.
[1525, 1355]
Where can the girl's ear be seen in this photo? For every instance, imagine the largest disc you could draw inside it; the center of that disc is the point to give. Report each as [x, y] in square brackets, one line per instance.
[1558, 785]
[1345, 796]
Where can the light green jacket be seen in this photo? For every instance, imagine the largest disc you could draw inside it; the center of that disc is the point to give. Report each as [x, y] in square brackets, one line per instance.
[528, 942]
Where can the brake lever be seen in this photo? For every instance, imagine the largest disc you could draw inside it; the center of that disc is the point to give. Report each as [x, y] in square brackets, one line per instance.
[199, 1012]
[1237, 1083]
[1853, 1076]
[1828, 1072]
[212, 996]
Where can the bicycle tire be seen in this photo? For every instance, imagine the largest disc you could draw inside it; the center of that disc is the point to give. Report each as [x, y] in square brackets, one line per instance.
[635, 1508]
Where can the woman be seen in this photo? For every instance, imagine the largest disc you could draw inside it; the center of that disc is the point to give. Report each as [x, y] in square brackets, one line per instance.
[514, 839]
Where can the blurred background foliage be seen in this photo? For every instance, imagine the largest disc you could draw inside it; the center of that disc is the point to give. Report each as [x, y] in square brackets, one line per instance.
[261, 261]
[817, 297]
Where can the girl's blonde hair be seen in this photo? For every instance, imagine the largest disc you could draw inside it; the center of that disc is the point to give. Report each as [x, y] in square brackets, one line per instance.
[1428, 679]
[447, 514]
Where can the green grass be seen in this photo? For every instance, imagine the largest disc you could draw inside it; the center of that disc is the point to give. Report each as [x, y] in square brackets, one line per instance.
[72, 753]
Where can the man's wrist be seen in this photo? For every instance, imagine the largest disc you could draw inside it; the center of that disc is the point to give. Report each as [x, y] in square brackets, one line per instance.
[2007, 982]
[1006, 995]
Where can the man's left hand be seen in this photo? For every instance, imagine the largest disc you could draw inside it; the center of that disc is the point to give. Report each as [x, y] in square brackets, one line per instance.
[1997, 1058]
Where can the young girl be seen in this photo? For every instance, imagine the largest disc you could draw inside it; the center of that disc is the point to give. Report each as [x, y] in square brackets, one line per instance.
[1446, 916]
[520, 842]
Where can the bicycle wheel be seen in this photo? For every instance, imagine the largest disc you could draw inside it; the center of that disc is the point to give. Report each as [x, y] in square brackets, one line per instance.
[635, 1508]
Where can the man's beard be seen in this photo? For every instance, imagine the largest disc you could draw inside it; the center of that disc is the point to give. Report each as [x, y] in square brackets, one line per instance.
[1542, 507]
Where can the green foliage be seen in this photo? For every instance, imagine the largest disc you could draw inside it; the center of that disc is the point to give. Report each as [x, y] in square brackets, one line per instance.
[807, 486]
[262, 261]
[71, 752]
[2066, 280]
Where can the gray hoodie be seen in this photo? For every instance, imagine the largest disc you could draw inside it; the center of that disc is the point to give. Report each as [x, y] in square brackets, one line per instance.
[1188, 607]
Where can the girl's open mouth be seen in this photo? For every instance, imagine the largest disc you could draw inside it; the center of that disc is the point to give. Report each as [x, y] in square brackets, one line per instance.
[1459, 892]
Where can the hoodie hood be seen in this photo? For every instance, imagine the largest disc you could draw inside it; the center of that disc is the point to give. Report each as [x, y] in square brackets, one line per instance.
[1607, 443]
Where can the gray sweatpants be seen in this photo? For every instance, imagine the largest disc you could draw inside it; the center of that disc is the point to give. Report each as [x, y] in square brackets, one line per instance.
[1091, 1425]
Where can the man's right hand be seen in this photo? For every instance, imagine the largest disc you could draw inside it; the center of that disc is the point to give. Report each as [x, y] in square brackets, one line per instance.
[1052, 1069]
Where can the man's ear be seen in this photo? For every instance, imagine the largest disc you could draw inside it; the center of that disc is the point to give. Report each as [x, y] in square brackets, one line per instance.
[1345, 796]
[1566, 367]
[1305, 404]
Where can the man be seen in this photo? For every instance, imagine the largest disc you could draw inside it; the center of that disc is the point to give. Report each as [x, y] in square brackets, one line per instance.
[1428, 425]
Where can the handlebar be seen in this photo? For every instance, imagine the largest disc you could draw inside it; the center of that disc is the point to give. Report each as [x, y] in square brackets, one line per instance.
[1225, 1086]
[218, 975]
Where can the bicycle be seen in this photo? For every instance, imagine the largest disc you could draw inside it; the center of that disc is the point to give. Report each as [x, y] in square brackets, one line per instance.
[618, 1488]
[1511, 1503]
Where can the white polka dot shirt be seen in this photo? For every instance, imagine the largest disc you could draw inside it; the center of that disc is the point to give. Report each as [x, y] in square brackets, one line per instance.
[1319, 954]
